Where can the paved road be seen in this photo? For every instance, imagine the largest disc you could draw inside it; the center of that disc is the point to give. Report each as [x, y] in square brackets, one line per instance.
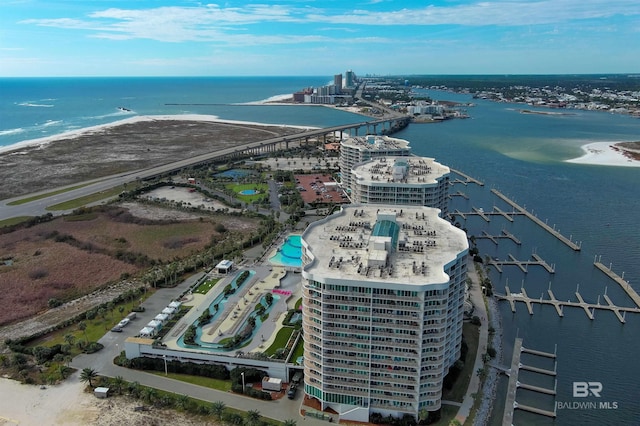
[38, 207]
[102, 361]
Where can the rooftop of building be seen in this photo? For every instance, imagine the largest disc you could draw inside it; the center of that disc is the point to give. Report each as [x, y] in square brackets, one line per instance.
[383, 245]
[376, 143]
[407, 170]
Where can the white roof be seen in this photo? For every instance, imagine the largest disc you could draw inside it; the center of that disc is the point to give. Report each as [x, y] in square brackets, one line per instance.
[175, 304]
[161, 317]
[154, 324]
[147, 331]
[168, 310]
[224, 264]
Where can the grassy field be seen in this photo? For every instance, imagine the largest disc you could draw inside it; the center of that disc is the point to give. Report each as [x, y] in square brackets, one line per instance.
[48, 194]
[471, 336]
[281, 340]
[221, 385]
[235, 188]
[88, 199]
[206, 286]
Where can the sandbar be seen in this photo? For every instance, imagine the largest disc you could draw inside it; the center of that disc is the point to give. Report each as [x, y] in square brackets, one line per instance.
[606, 154]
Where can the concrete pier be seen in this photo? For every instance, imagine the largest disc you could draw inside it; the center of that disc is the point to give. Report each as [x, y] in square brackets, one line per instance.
[621, 282]
[589, 308]
[510, 403]
[460, 194]
[522, 264]
[468, 179]
[508, 216]
[494, 238]
[536, 389]
[540, 223]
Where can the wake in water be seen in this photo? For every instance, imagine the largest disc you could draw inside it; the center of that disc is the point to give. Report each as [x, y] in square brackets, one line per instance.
[34, 104]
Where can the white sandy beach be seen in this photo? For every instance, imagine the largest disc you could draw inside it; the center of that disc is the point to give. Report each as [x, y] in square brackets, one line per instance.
[32, 405]
[69, 405]
[604, 154]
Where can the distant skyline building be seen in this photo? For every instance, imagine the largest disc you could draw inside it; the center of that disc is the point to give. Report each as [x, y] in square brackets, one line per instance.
[417, 181]
[350, 79]
[358, 149]
[337, 81]
[382, 298]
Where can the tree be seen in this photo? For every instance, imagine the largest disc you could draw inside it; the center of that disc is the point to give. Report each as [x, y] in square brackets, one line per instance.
[182, 402]
[268, 298]
[69, 338]
[234, 419]
[149, 394]
[289, 422]
[217, 408]
[118, 383]
[253, 417]
[87, 375]
[83, 327]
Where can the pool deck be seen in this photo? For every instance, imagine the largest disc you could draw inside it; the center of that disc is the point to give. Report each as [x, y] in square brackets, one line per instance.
[236, 309]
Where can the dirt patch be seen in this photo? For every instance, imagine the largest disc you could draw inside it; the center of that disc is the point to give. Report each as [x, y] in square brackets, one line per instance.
[65, 258]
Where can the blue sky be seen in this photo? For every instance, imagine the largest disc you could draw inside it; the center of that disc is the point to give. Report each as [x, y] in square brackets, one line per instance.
[290, 37]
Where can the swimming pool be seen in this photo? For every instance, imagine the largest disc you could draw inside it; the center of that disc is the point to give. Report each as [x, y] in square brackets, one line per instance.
[289, 253]
[248, 192]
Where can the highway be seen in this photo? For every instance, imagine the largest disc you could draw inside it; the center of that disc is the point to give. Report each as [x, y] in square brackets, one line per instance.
[39, 207]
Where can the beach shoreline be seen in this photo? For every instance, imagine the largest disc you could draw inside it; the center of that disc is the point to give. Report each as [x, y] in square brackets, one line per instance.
[76, 133]
[606, 154]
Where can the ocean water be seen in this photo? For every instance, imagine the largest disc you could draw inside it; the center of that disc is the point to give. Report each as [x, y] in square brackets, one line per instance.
[33, 108]
[522, 155]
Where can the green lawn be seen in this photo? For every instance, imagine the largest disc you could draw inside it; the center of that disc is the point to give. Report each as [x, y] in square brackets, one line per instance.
[298, 351]
[281, 340]
[221, 385]
[472, 337]
[14, 220]
[83, 201]
[96, 328]
[206, 286]
[48, 194]
[235, 188]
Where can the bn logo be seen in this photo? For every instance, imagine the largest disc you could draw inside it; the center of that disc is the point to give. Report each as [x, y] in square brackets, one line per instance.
[585, 389]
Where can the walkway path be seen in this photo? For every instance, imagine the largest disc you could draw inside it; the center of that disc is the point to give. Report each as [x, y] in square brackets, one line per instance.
[480, 311]
[102, 362]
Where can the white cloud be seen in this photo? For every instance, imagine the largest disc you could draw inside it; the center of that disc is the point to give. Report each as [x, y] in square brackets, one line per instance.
[233, 25]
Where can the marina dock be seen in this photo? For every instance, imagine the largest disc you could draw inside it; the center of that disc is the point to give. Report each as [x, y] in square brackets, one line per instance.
[589, 308]
[620, 281]
[522, 264]
[540, 223]
[468, 179]
[516, 365]
[495, 238]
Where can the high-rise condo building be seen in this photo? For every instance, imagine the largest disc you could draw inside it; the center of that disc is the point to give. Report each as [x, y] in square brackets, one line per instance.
[359, 149]
[383, 292]
[350, 79]
[416, 181]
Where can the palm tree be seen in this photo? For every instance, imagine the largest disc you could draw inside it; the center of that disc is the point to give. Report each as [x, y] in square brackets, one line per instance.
[83, 326]
[182, 401]
[289, 422]
[118, 382]
[217, 408]
[69, 338]
[149, 394]
[87, 375]
[253, 417]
